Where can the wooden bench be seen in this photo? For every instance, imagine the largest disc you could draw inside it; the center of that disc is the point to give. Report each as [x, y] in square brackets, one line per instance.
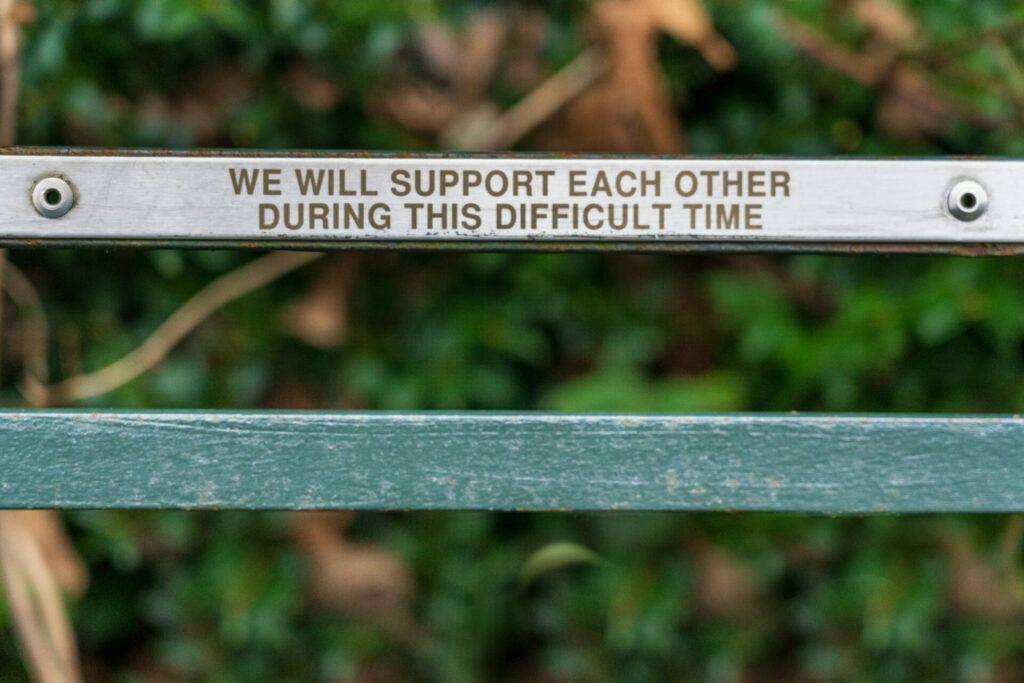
[532, 461]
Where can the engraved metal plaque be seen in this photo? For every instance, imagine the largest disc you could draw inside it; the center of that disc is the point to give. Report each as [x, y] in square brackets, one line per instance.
[356, 199]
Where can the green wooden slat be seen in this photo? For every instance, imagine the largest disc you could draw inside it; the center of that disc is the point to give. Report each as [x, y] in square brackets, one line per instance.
[510, 461]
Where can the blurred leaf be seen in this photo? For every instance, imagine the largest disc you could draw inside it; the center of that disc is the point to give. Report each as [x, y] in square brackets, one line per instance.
[553, 557]
[628, 392]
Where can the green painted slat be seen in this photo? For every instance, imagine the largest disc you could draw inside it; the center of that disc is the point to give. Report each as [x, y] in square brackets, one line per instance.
[510, 461]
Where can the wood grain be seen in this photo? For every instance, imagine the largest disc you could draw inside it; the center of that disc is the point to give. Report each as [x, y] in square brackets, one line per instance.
[842, 464]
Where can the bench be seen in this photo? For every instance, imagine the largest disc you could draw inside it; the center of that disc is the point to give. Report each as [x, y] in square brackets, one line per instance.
[508, 461]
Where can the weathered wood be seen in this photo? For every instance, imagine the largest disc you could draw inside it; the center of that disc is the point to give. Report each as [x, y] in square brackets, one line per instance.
[289, 200]
[510, 461]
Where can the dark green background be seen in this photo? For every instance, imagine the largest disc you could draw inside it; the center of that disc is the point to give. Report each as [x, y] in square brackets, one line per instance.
[220, 596]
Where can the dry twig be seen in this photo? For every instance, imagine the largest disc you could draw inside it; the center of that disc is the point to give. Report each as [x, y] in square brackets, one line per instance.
[155, 348]
[865, 69]
[546, 99]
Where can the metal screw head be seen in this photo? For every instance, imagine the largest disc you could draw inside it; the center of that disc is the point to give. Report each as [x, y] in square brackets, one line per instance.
[967, 200]
[52, 197]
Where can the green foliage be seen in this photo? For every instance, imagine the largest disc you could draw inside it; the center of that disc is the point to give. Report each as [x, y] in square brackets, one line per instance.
[220, 597]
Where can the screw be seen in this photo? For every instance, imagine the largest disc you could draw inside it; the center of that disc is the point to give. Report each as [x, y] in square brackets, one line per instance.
[52, 197]
[967, 200]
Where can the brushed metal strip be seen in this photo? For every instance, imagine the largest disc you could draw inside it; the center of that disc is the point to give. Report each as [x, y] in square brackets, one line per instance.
[320, 201]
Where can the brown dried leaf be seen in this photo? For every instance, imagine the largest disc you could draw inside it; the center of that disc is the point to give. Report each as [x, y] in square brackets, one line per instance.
[357, 579]
[688, 22]
[419, 108]
[361, 580]
[888, 21]
[291, 395]
[1004, 672]
[629, 110]
[976, 588]
[912, 108]
[524, 67]
[312, 90]
[23, 13]
[725, 587]
[481, 44]
[320, 317]
[458, 69]
[437, 47]
[325, 527]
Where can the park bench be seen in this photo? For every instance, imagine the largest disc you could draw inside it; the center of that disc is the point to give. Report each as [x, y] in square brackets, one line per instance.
[509, 461]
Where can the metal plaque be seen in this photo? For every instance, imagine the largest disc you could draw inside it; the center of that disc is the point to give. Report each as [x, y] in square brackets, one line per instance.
[356, 199]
